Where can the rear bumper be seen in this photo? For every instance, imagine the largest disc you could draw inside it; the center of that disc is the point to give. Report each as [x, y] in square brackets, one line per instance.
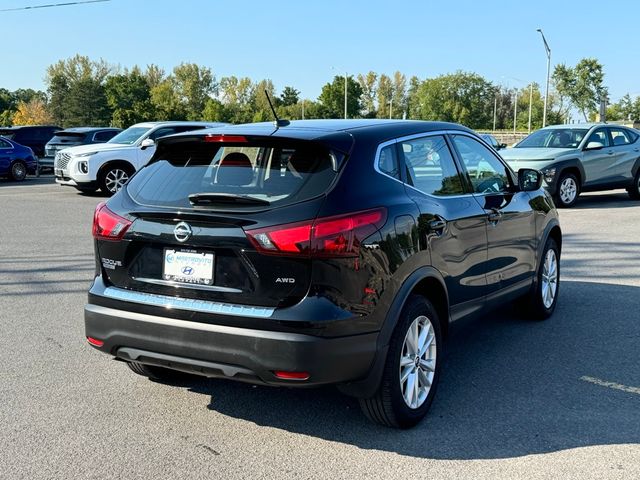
[236, 353]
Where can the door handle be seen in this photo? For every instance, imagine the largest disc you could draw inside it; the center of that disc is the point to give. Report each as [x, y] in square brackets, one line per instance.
[495, 216]
[610, 152]
[437, 226]
[636, 149]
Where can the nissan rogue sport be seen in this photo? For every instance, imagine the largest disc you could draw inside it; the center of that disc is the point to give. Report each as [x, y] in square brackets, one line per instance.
[320, 252]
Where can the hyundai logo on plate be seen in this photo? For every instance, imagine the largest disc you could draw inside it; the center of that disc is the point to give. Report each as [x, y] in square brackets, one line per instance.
[187, 270]
[182, 232]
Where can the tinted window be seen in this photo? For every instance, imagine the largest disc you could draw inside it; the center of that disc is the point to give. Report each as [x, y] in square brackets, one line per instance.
[600, 135]
[104, 136]
[430, 166]
[270, 171]
[619, 137]
[486, 173]
[130, 135]
[5, 144]
[388, 161]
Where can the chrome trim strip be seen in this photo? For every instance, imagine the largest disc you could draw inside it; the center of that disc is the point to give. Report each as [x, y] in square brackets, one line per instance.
[192, 305]
[203, 327]
[193, 286]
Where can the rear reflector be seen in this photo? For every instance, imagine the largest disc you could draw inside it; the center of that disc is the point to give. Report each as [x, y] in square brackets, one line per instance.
[95, 342]
[107, 225]
[291, 375]
[338, 236]
[225, 138]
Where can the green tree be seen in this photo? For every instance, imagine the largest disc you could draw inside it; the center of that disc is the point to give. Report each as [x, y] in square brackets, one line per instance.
[398, 104]
[76, 91]
[368, 83]
[413, 101]
[129, 97]
[289, 96]
[583, 84]
[384, 94]
[166, 102]
[193, 85]
[332, 98]
[461, 97]
[215, 111]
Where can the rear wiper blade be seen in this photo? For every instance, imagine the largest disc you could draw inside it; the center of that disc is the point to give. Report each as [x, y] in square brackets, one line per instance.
[225, 199]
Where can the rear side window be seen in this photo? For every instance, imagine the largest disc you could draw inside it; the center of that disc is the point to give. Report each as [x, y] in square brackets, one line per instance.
[388, 162]
[430, 166]
[258, 174]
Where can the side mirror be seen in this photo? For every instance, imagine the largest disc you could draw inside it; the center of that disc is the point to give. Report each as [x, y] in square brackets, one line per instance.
[594, 146]
[501, 146]
[529, 180]
[146, 143]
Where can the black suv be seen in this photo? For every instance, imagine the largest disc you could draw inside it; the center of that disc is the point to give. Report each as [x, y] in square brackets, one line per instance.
[322, 252]
[34, 136]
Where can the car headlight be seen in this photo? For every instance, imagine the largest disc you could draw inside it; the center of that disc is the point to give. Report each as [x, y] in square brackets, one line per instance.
[549, 174]
[87, 154]
[83, 167]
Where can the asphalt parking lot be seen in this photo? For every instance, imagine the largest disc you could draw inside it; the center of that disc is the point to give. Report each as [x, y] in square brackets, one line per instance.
[517, 399]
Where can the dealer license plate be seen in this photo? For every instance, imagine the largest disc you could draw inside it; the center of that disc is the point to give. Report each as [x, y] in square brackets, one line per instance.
[188, 267]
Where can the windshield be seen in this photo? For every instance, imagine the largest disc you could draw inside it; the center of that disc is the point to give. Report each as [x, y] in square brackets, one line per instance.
[554, 138]
[130, 135]
[271, 173]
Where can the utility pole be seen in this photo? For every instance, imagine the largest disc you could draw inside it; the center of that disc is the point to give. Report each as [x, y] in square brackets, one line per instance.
[345, 95]
[515, 111]
[495, 110]
[530, 104]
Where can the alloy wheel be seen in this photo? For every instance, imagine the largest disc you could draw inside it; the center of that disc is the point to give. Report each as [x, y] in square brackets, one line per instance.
[18, 171]
[418, 362]
[549, 278]
[568, 190]
[115, 179]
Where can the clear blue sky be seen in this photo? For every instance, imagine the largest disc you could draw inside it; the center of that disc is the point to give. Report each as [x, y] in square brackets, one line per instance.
[297, 42]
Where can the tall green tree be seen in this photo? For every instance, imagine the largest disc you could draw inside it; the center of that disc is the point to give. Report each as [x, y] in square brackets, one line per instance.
[193, 85]
[332, 98]
[368, 83]
[384, 94]
[398, 104]
[289, 96]
[582, 84]
[460, 97]
[129, 97]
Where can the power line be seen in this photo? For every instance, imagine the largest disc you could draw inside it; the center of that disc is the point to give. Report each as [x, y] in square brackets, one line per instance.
[52, 5]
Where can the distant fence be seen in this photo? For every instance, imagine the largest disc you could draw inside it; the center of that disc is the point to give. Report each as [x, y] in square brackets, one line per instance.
[506, 136]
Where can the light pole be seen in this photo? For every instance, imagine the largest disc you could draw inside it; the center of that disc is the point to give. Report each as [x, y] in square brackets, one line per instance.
[515, 110]
[390, 107]
[495, 111]
[546, 94]
[530, 104]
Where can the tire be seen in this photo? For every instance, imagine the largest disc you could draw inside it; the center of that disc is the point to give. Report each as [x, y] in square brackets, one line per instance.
[154, 372]
[18, 171]
[634, 190]
[568, 190]
[541, 301]
[390, 406]
[113, 177]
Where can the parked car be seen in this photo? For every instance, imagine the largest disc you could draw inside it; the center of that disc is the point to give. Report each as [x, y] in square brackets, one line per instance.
[491, 140]
[108, 166]
[322, 252]
[34, 136]
[72, 137]
[581, 158]
[16, 160]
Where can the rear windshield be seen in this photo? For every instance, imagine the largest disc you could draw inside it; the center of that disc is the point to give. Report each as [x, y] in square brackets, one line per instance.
[196, 174]
[66, 137]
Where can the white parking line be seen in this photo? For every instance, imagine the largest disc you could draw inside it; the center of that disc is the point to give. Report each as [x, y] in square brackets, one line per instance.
[615, 386]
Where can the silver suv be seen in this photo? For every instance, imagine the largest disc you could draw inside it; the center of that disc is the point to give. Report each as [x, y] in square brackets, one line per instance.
[581, 158]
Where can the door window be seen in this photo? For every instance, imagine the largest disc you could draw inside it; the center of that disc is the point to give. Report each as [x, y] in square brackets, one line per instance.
[619, 137]
[600, 136]
[430, 166]
[486, 173]
[388, 162]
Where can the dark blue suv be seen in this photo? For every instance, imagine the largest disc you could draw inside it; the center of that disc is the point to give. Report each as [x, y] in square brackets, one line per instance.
[16, 160]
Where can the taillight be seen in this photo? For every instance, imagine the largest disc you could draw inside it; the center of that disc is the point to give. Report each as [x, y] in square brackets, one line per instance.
[338, 236]
[107, 225]
[225, 138]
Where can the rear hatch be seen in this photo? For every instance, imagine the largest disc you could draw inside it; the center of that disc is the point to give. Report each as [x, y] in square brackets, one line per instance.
[198, 221]
[63, 140]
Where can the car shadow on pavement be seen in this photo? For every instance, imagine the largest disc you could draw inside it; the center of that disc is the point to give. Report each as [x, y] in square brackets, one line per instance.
[617, 199]
[510, 387]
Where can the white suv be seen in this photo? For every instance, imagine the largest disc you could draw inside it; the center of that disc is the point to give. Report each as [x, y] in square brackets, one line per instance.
[108, 166]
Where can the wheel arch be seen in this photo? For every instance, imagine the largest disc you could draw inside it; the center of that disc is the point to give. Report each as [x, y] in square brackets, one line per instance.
[426, 281]
[117, 162]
